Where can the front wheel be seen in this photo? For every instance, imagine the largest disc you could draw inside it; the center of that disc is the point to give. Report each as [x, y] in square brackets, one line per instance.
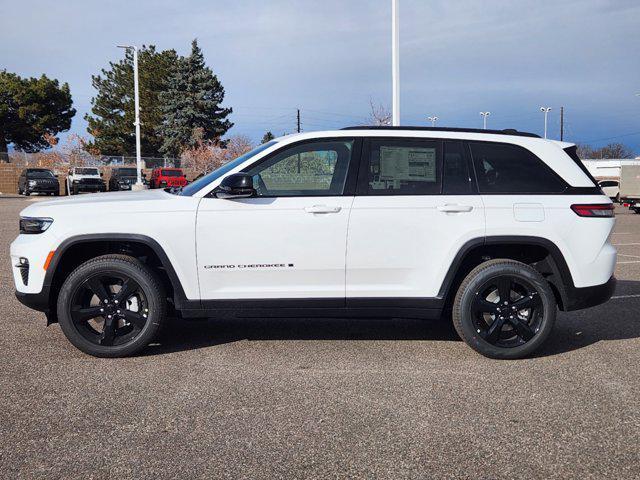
[504, 309]
[111, 306]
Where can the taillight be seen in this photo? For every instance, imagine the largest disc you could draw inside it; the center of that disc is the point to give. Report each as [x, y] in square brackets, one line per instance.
[600, 210]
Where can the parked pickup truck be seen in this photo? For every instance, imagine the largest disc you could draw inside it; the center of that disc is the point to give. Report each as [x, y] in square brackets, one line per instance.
[85, 180]
[630, 187]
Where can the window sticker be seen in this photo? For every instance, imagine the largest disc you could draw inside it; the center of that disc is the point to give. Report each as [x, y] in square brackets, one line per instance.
[407, 164]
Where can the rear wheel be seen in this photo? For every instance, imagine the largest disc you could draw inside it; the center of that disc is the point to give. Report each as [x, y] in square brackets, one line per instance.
[111, 306]
[504, 309]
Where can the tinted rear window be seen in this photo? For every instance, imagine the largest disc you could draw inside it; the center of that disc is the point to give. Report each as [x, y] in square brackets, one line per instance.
[507, 168]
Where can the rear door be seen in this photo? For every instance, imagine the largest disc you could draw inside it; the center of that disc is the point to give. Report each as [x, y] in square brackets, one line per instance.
[416, 205]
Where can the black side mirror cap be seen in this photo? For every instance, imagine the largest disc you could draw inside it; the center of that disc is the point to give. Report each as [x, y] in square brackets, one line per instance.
[237, 185]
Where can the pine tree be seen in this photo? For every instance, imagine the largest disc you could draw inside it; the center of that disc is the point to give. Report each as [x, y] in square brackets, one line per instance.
[191, 104]
[267, 137]
[112, 113]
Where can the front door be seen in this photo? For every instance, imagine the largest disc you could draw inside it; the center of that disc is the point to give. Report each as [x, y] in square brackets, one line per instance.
[416, 206]
[289, 240]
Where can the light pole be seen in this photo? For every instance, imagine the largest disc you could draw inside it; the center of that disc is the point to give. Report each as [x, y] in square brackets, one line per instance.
[136, 96]
[484, 119]
[432, 120]
[546, 111]
[395, 63]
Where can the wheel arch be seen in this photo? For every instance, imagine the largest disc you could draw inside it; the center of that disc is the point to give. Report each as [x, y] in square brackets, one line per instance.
[541, 253]
[76, 250]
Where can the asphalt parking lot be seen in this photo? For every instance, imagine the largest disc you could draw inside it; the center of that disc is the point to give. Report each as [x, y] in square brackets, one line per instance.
[324, 398]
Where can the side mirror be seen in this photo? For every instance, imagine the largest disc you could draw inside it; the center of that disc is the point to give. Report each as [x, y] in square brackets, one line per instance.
[238, 185]
[101, 174]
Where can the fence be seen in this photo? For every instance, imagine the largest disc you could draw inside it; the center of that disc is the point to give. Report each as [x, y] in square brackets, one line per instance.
[10, 171]
[81, 159]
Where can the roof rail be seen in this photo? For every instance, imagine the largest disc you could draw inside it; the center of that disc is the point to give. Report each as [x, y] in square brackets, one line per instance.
[507, 131]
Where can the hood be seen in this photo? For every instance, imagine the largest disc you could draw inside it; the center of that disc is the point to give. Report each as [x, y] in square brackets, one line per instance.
[78, 176]
[102, 203]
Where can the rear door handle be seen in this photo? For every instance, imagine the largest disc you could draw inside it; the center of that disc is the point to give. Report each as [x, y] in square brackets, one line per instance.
[454, 208]
[322, 209]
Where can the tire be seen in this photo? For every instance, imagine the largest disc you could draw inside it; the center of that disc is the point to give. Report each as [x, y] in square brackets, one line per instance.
[26, 192]
[123, 331]
[56, 194]
[478, 306]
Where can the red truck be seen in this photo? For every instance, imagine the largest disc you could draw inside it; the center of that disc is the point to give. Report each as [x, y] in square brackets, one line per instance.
[167, 177]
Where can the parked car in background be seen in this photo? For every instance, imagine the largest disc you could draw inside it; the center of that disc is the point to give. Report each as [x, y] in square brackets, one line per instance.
[630, 187]
[84, 180]
[123, 178]
[611, 189]
[167, 177]
[38, 180]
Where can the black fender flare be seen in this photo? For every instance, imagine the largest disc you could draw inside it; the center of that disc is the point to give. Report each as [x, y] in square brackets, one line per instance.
[560, 274]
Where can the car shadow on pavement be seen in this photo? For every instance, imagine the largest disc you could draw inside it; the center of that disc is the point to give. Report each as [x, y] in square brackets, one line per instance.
[616, 320]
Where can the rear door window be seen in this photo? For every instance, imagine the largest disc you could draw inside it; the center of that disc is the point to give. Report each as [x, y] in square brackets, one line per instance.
[507, 168]
[403, 167]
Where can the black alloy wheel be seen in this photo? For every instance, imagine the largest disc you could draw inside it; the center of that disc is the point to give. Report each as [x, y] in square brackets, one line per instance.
[111, 306]
[504, 309]
[109, 309]
[507, 311]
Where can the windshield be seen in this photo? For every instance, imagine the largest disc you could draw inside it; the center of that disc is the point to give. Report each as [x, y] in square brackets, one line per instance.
[171, 173]
[127, 172]
[40, 174]
[86, 171]
[202, 182]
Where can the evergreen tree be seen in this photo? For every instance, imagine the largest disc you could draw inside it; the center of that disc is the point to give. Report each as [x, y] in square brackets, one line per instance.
[267, 137]
[192, 103]
[113, 111]
[32, 109]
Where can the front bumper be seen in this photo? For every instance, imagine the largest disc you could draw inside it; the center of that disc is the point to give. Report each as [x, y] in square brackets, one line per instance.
[579, 298]
[88, 187]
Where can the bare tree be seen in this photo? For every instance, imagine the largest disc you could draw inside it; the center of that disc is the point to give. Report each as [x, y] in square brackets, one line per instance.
[207, 156]
[612, 150]
[379, 115]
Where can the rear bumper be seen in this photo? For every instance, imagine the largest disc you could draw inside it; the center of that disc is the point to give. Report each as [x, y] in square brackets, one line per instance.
[579, 298]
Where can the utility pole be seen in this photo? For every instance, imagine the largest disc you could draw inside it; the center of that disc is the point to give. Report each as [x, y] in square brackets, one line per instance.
[484, 119]
[395, 63]
[432, 120]
[136, 95]
[561, 124]
[298, 120]
[546, 111]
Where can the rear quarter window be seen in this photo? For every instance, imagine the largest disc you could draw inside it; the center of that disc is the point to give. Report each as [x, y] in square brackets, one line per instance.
[507, 168]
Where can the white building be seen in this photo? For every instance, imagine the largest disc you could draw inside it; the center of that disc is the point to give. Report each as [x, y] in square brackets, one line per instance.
[608, 168]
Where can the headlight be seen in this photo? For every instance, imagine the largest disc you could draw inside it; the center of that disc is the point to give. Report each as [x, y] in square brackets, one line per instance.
[32, 183]
[31, 225]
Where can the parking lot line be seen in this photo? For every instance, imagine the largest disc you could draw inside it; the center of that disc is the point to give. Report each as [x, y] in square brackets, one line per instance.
[625, 296]
[624, 244]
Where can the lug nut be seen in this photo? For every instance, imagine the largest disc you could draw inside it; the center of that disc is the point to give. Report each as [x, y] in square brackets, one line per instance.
[102, 309]
[116, 302]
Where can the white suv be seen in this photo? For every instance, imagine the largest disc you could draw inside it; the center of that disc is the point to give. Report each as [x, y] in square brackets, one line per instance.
[495, 229]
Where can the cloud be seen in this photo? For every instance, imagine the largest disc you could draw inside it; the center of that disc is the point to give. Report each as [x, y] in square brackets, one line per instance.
[329, 57]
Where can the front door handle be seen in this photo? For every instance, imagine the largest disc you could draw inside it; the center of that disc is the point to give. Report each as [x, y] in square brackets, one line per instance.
[455, 208]
[322, 209]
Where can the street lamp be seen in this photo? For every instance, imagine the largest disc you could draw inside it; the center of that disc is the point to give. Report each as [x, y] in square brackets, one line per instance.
[432, 120]
[484, 119]
[546, 111]
[136, 95]
[395, 63]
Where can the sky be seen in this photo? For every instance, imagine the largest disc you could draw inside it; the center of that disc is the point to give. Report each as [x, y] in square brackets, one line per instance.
[330, 58]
